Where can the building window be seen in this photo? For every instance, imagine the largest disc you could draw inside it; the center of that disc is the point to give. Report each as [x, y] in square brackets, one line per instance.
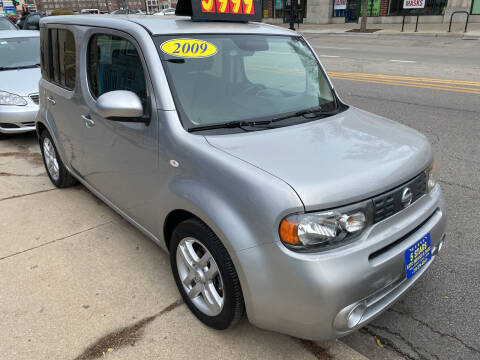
[432, 7]
[476, 7]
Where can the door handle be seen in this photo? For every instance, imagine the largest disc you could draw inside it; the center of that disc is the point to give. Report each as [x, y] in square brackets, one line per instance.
[51, 100]
[88, 121]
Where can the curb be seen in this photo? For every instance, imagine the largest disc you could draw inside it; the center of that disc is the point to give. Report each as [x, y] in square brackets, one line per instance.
[340, 351]
[380, 34]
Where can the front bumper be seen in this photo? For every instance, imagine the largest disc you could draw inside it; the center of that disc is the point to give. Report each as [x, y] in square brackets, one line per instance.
[311, 295]
[18, 119]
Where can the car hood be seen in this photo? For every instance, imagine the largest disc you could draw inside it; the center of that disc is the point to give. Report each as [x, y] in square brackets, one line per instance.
[21, 82]
[337, 160]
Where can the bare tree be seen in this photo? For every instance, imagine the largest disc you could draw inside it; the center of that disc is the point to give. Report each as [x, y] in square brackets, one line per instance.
[363, 23]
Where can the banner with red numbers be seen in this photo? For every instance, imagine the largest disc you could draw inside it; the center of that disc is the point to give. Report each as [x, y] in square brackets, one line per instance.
[227, 10]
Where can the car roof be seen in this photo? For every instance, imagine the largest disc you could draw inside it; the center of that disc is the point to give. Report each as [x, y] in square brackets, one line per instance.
[18, 33]
[158, 25]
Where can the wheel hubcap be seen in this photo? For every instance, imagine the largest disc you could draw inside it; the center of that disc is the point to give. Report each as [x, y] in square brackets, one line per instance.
[200, 276]
[50, 159]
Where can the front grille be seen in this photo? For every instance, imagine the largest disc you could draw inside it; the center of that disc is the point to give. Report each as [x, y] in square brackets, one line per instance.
[30, 123]
[390, 203]
[34, 98]
[393, 244]
[8, 126]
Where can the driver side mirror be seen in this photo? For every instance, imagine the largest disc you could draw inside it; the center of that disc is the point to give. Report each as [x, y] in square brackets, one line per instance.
[120, 105]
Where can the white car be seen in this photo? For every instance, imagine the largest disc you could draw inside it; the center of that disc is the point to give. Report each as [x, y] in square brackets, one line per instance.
[19, 76]
[164, 12]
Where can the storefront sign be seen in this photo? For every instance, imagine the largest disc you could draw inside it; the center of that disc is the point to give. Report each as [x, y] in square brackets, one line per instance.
[413, 4]
[339, 4]
[279, 4]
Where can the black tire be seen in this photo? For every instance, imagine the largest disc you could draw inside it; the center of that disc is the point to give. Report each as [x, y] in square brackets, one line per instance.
[234, 307]
[65, 179]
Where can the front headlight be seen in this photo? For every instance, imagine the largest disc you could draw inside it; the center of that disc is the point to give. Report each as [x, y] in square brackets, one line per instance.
[7, 98]
[326, 229]
[430, 172]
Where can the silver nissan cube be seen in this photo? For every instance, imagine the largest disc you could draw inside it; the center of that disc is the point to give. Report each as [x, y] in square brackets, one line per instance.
[227, 145]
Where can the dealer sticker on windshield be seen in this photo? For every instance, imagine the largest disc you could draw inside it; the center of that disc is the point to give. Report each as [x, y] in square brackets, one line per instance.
[418, 255]
[188, 48]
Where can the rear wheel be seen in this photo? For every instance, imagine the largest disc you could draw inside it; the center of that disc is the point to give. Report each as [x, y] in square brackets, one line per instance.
[205, 275]
[56, 170]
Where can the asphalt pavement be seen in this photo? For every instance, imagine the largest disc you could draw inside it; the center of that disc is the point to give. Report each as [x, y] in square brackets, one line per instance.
[440, 317]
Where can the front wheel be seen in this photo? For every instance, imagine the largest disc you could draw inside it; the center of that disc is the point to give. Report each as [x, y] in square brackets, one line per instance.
[56, 170]
[205, 275]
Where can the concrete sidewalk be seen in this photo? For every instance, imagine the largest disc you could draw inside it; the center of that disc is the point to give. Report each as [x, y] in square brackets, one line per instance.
[78, 282]
[431, 30]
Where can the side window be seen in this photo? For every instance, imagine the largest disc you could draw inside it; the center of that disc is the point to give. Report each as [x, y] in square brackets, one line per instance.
[62, 58]
[55, 56]
[114, 64]
[66, 49]
[44, 56]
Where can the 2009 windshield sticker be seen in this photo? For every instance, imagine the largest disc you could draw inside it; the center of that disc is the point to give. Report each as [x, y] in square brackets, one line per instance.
[188, 48]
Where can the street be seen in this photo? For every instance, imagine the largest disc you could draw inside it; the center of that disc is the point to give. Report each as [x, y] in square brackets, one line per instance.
[440, 317]
[80, 282]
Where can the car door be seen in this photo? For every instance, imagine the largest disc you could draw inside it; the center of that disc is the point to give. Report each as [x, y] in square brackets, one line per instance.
[120, 158]
[59, 81]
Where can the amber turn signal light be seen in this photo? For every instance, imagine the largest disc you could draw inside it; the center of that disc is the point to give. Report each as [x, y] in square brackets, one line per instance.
[288, 232]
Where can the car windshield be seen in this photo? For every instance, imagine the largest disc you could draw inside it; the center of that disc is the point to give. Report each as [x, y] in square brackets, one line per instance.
[19, 52]
[249, 78]
[6, 24]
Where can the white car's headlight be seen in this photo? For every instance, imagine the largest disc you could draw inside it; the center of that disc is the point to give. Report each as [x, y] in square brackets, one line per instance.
[430, 173]
[7, 98]
[325, 229]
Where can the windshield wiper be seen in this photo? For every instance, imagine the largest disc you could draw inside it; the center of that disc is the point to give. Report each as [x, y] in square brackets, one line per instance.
[229, 125]
[19, 67]
[310, 113]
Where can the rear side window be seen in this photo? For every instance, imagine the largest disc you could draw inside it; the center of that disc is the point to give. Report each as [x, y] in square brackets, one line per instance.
[58, 57]
[44, 58]
[114, 64]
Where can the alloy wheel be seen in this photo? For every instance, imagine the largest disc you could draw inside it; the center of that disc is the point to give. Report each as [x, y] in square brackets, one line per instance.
[51, 159]
[200, 276]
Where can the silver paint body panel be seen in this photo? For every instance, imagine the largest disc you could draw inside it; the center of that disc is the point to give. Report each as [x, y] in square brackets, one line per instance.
[243, 185]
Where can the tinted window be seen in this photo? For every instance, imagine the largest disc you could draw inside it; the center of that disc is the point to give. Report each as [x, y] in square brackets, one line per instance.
[55, 56]
[58, 57]
[44, 53]
[66, 50]
[114, 64]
